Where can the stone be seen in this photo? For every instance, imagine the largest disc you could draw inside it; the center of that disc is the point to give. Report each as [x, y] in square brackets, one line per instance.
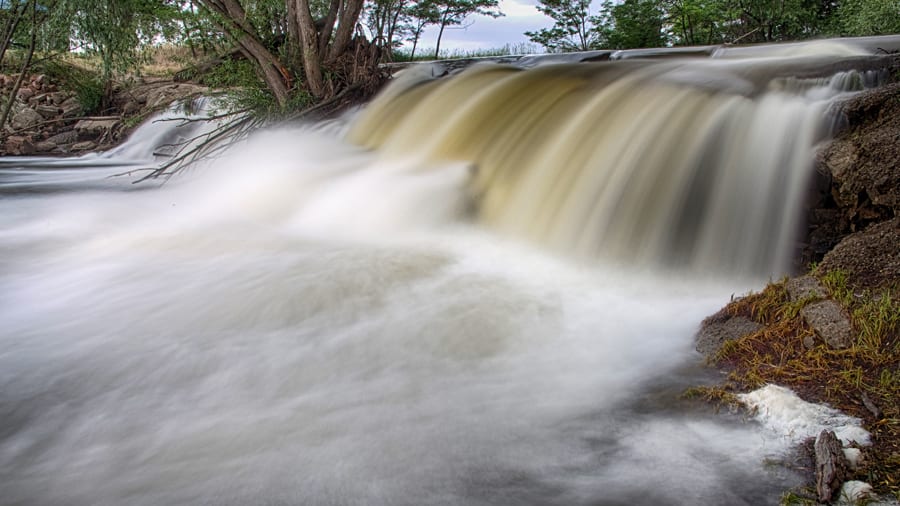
[720, 328]
[71, 107]
[90, 128]
[48, 111]
[18, 145]
[25, 93]
[84, 146]
[855, 492]
[45, 147]
[871, 257]
[57, 98]
[829, 322]
[804, 287]
[62, 138]
[26, 118]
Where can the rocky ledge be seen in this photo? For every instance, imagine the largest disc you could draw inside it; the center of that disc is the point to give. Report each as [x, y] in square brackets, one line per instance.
[832, 334]
[48, 120]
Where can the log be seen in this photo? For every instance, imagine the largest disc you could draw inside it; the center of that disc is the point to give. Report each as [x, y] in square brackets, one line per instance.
[831, 466]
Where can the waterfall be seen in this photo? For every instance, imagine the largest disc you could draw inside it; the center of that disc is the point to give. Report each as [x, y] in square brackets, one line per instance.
[695, 163]
[398, 320]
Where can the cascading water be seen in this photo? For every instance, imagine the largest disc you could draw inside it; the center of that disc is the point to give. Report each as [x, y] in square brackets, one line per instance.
[305, 321]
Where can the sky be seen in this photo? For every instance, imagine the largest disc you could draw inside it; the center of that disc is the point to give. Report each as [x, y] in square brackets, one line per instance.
[486, 33]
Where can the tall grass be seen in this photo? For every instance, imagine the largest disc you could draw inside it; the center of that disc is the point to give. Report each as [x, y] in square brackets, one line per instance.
[427, 54]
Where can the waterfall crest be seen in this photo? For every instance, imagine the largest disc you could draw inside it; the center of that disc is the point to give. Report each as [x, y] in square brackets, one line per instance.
[685, 163]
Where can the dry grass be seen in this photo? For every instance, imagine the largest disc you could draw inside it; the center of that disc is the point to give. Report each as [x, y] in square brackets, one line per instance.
[841, 378]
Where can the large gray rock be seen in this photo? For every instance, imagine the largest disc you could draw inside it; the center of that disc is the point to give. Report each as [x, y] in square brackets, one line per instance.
[828, 320]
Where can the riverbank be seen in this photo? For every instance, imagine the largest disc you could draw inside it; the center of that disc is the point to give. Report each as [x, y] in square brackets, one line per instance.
[832, 333]
[48, 118]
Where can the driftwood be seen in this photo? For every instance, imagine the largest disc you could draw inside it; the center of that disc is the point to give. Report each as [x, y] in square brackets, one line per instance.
[831, 466]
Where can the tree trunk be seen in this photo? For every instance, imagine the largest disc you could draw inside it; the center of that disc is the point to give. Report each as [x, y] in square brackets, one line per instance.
[25, 66]
[328, 26]
[346, 26]
[309, 47]
[273, 73]
[15, 16]
[437, 47]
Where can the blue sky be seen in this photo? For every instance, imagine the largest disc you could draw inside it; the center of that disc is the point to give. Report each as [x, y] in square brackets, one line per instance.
[486, 32]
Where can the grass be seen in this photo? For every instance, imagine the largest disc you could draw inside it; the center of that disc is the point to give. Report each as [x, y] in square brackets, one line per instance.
[841, 378]
[427, 54]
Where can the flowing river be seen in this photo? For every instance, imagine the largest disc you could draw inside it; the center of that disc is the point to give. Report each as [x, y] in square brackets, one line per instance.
[482, 290]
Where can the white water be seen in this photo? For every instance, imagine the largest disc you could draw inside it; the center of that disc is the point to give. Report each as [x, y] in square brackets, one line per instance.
[217, 341]
[304, 322]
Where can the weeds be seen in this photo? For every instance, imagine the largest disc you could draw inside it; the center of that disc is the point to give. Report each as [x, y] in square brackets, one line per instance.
[785, 351]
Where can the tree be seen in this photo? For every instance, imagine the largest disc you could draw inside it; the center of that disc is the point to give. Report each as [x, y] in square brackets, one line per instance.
[634, 24]
[422, 13]
[573, 29]
[385, 18]
[696, 22]
[869, 17]
[454, 12]
[115, 30]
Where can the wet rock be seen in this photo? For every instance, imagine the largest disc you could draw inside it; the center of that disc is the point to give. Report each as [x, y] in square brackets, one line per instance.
[829, 322]
[831, 466]
[804, 287]
[26, 118]
[720, 328]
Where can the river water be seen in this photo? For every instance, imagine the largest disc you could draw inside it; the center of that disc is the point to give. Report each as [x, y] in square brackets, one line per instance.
[305, 321]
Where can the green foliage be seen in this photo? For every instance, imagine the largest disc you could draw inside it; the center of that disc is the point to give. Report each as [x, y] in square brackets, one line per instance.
[574, 28]
[869, 17]
[86, 84]
[231, 74]
[634, 24]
